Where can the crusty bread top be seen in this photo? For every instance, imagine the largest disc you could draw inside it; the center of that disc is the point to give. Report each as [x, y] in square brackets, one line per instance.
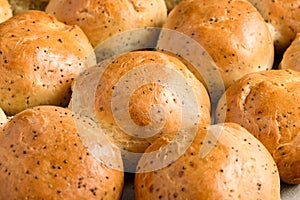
[102, 19]
[43, 156]
[39, 59]
[267, 104]
[224, 161]
[232, 32]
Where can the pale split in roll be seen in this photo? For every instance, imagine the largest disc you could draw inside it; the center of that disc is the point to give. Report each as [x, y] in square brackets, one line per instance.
[5, 10]
[237, 167]
[3, 118]
[48, 152]
[141, 96]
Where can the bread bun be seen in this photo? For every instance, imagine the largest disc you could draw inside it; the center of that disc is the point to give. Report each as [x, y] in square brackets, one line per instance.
[267, 105]
[19, 6]
[224, 162]
[102, 19]
[283, 19]
[3, 118]
[232, 32]
[39, 58]
[291, 57]
[5, 10]
[43, 156]
[143, 95]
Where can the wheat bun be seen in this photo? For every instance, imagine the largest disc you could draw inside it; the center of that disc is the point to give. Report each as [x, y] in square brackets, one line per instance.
[291, 57]
[43, 157]
[39, 59]
[144, 95]
[102, 19]
[237, 166]
[232, 32]
[283, 20]
[19, 6]
[5, 10]
[267, 105]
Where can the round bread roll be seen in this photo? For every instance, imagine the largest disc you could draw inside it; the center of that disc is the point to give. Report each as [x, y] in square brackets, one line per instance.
[237, 166]
[5, 10]
[19, 6]
[44, 157]
[232, 32]
[267, 104]
[283, 19]
[39, 58]
[102, 19]
[3, 118]
[143, 95]
[291, 57]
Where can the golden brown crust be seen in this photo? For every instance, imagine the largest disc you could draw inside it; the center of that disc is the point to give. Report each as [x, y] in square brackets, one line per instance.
[100, 20]
[237, 167]
[19, 6]
[291, 57]
[5, 10]
[39, 58]
[42, 157]
[284, 18]
[232, 32]
[150, 84]
[267, 105]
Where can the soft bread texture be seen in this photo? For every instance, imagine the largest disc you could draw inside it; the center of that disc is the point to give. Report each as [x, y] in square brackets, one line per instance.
[102, 19]
[5, 10]
[283, 18]
[267, 105]
[39, 59]
[43, 157]
[19, 6]
[232, 32]
[237, 166]
[135, 91]
[291, 57]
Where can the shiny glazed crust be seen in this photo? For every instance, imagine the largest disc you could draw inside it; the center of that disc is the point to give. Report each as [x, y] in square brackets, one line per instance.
[39, 59]
[42, 157]
[237, 166]
[102, 19]
[267, 105]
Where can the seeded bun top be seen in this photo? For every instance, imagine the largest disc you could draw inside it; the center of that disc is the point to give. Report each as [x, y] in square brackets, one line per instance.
[224, 161]
[267, 104]
[102, 19]
[39, 59]
[283, 19]
[232, 32]
[43, 156]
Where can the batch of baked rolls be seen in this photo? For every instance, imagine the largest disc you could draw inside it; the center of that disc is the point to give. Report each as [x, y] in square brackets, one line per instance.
[149, 99]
